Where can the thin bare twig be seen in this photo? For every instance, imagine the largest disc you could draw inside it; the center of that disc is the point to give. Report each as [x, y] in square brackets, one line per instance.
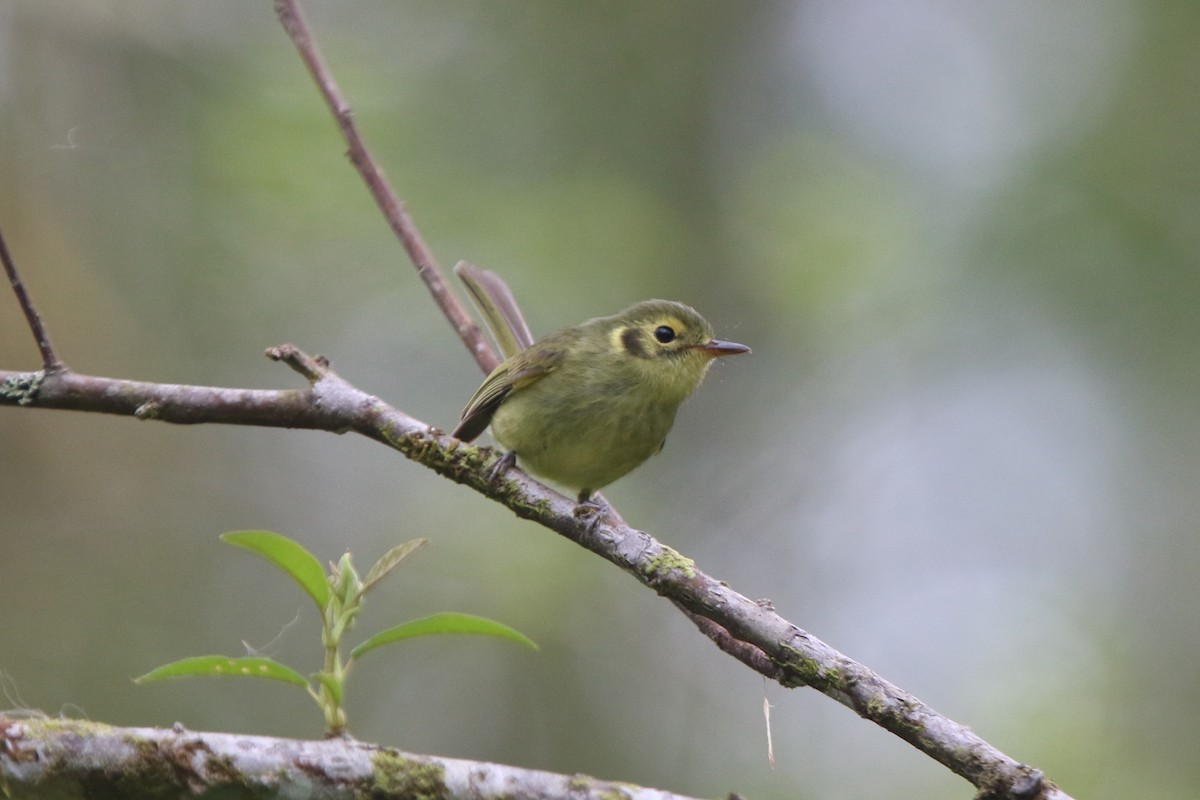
[392, 206]
[50, 361]
[748, 654]
[292, 18]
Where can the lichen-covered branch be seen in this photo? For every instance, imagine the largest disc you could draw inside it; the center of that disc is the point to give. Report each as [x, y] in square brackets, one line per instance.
[47, 759]
[753, 632]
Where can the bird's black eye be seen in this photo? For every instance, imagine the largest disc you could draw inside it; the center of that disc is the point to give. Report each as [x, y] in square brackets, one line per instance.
[664, 334]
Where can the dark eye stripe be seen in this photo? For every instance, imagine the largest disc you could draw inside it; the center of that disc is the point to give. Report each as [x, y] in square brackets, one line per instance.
[631, 338]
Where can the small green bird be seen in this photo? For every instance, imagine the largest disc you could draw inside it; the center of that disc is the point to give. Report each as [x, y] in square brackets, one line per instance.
[586, 405]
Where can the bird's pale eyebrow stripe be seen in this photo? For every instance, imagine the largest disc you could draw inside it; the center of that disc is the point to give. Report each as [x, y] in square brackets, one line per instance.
[675, 324]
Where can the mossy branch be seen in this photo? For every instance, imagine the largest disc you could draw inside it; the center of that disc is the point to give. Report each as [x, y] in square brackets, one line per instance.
[46, 759]
[752, 632]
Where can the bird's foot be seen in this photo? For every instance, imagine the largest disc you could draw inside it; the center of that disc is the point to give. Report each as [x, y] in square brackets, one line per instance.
[590, 509]
[502, 464]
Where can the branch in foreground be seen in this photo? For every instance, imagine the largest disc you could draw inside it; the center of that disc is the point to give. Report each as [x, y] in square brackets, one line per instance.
[753, 632]
[80, 759]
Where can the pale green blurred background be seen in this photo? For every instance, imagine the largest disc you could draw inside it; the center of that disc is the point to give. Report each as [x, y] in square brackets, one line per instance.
[961, 238]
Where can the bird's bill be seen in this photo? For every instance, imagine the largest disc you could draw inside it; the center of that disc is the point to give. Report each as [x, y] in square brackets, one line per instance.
[717, 348]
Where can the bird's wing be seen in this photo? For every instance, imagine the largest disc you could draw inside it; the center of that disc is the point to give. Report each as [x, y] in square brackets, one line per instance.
[520, 371]
[496, 303]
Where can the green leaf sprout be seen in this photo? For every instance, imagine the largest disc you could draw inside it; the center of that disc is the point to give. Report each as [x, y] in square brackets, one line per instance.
[339, 597]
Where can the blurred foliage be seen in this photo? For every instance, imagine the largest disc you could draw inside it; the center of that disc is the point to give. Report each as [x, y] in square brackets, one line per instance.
[961, 239]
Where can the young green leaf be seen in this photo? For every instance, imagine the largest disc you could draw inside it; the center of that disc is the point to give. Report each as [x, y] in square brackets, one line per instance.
[346, 586]
[390, 560]
[446, 622]
[290, 557]
[221, 666]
